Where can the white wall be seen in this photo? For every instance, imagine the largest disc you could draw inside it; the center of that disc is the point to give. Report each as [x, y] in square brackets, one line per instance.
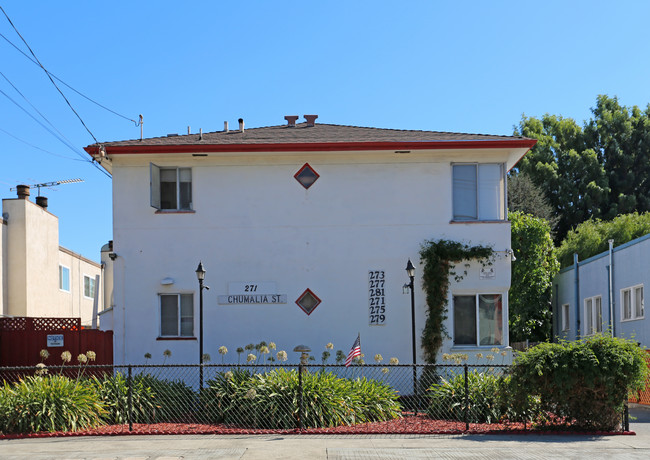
[253, 222]
[3, 267]
[31, 256]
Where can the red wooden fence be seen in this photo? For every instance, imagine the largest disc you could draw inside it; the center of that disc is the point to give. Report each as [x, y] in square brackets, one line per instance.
[22, 339]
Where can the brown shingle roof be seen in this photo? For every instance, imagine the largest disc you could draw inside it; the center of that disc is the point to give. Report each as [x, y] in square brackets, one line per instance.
[320, 133]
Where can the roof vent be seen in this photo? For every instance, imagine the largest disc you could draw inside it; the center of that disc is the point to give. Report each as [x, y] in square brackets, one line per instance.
[311, 119]
[241, 125]
[225, 126]
[172, 135]
[291, 120]
[41, 201]
[23, 191]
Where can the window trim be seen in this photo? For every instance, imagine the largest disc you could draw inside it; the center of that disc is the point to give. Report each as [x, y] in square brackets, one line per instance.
[566, 318]
[92, 278]
[632, 289]
[589, 330]
[61, 279]
[178, 336]
[502, 206]
[476, 295]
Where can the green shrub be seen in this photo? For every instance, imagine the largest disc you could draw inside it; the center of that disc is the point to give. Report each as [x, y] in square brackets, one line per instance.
[585, 383]
[174, 401]
[270, 400]
[113, 392]
[484, 404]
[51, 403]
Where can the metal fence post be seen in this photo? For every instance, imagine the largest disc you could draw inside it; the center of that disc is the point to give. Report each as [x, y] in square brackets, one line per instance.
[466, 416]
[129, 408]
[300, 371]
[415, 389]
[626, 418]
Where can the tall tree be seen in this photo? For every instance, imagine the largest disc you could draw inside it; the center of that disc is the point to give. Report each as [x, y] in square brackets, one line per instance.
[566, 168]
[596, 171]
[526, 197]
[621, 136]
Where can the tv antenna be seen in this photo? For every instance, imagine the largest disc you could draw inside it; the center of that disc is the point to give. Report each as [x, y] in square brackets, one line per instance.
[51, 184]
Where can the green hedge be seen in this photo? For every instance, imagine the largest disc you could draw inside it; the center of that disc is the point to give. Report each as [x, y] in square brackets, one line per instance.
[52, 403]
[585, 383]
[270, 400]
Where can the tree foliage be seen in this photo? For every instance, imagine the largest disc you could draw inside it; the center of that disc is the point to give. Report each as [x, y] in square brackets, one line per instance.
[591, 237]
[532, 276]
[526, 197]
[597, 170]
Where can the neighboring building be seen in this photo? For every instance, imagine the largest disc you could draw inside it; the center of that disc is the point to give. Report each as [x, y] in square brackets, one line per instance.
[39, 277]
[585, 304]
[304, 230]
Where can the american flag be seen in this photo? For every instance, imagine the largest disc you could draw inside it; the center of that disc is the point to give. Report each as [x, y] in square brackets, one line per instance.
[354, 351]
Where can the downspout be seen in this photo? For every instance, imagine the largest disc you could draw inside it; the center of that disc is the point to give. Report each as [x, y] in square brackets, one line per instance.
[576, 267]
[611, 287]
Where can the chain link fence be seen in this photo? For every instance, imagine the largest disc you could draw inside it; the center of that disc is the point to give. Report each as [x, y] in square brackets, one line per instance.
[262, 398]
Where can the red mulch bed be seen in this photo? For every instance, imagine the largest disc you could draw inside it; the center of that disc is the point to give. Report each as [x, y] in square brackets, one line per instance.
[412, 424]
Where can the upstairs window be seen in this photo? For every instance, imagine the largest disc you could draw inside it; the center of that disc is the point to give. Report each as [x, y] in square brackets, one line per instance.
[478, 191]
[89, 287]
[632, 303]
[64, 278]
[171, 188]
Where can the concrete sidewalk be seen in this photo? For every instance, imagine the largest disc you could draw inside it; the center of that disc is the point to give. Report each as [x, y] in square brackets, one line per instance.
[339, 447]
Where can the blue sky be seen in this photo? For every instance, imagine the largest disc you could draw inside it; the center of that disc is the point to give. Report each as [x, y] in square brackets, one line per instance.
[463, 66]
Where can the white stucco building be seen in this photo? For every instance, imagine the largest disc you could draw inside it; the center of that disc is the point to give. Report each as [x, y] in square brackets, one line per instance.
[38, 277]
[304, 230]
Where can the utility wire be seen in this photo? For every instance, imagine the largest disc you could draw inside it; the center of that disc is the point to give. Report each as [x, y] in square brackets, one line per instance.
[41, 149]
[69, 142]
[48, 76]
[71, 147]
[137, 123]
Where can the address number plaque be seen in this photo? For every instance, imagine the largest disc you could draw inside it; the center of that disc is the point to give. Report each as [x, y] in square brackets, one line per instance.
[376, 297]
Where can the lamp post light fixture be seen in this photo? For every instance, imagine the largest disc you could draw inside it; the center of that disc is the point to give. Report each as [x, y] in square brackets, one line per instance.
[200, 275]
[410, 271]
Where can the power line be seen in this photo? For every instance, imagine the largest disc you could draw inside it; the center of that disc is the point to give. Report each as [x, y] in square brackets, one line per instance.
[41, 149]
[48, 76]
[137, 123]
[37, 111]
[70, 146]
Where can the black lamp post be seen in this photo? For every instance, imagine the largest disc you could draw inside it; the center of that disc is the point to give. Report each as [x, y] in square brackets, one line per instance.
[200, 275]
[410, 271]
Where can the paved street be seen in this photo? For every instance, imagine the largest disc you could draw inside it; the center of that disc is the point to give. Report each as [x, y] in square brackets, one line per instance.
[337, 447]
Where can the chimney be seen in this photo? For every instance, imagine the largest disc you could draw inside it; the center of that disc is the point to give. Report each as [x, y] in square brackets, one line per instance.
[311, 119]
[291, 120]
[241, 125]
[225, 126]
[41, 201]
[23, 191]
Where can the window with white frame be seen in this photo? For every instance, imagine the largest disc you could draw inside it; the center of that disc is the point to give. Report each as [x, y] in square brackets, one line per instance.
[565, 317]
[170, 188]
[632, 303]
[478, 319]
[176, 315]
[64, 278]
[478, 191]
[593, 315]
[89, 287]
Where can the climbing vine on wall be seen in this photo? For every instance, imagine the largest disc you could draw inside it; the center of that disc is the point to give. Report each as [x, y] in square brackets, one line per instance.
[439, 258]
